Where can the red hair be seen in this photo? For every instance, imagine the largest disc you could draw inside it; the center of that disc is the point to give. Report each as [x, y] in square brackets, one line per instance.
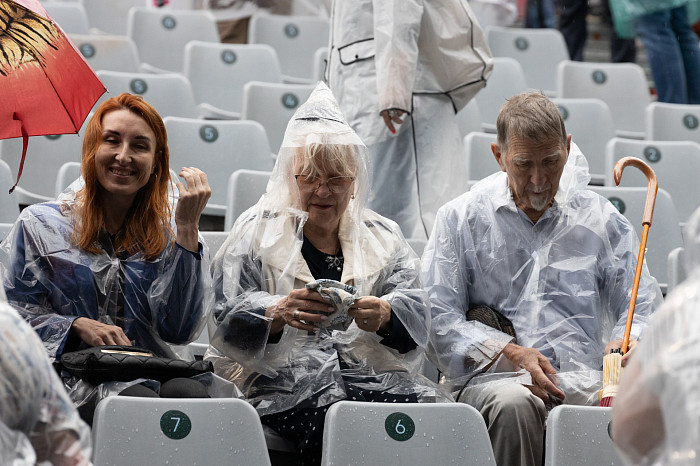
[148, 220]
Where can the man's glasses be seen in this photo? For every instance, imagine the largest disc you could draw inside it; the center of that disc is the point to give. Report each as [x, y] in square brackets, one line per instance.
[336, 185]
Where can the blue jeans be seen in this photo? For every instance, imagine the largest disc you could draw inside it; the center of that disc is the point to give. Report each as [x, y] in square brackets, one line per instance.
[540, 14]
[674, 54]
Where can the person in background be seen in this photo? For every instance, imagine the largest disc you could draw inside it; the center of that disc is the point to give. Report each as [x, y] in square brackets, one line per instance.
[292, 351]
[530, 275]
[401, 70]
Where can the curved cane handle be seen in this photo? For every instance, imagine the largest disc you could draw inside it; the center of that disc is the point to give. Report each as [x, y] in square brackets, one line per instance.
[651, 189]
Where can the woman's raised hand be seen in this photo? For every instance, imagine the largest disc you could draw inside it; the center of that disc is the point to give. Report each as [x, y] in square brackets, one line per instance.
[371, 313]
[193, 197]
[300, 309]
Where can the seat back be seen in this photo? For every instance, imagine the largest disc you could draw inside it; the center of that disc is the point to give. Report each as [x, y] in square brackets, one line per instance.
[9, 206]
[664, 233]
[469, 118]
[272, 105]
[45, 156]
[589, 121]
[214, 239]
[161, 35]
[103, 52]
[676, 268]
[506, 81]
[127, 430]
[170, 94]
[579, 436]
[672, 122]
[71, 16]
[417, 244]
[295, 38]
[218, 72]
[676, 164]
[405, 433]
[109, 16]
[320, 61]
[244, 189]
[622, 86]
[480, 160]
[538, 51]
[218, 148]
[68, 173]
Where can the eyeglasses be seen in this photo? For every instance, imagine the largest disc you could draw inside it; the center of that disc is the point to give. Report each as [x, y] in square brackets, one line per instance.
[336, 185]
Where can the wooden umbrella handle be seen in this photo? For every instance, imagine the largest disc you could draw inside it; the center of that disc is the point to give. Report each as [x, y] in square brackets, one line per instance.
[652, 189]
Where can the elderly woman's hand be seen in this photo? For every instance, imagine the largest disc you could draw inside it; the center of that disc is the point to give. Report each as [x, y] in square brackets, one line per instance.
[390, 117]
[371, 313]
[193, 197]
[301, 309]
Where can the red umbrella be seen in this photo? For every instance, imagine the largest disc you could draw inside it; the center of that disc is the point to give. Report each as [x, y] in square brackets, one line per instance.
[46, 87]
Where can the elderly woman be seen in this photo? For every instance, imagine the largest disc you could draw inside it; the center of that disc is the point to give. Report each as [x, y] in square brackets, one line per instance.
[274, 336]
[105, 264]
[38, 423]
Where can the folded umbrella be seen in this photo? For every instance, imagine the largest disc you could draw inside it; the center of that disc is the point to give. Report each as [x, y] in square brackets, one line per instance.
[612, 363]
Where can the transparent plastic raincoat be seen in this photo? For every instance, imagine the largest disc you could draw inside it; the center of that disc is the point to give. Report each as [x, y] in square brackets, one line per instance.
[51, 282]
[261, 263]
[565, 282]
[38, 421]
[428, 59]
[659, 394]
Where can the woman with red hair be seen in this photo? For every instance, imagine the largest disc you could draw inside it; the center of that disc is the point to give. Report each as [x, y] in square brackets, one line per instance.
[108, 263]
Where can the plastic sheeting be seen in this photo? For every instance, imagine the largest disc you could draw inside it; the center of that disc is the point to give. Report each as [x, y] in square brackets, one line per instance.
[261, 263]
[428, 59]
[51, 282]
[564, 282]
[38, 422]
[656, 414]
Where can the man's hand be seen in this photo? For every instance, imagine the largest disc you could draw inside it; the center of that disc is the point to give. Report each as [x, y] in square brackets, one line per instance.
[617, 344]
[538, 366]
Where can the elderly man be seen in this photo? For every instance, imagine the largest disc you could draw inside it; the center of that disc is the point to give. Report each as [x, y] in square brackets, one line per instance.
[556, 262]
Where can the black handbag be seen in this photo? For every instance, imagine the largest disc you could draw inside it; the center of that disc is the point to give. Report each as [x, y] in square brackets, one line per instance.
[125, 363]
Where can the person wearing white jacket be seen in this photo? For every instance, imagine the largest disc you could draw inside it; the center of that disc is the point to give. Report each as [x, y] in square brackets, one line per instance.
[400, 70]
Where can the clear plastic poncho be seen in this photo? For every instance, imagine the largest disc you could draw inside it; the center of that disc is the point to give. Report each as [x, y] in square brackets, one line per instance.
[261, 263]
[565, 282]
[51, 283]
[658, 400]
[38, 421]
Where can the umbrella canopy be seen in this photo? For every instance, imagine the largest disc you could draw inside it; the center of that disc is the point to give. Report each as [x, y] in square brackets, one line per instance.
[46, 87]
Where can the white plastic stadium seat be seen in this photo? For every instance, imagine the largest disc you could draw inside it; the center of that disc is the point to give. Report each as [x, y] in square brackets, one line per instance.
[405, 433]
[134, 430]
[676, 268]
[9, 207]
[676, 164]
[664, 233]
[539, 51]
[103, 52]
[71, 16]
[672, 122]
[623, 86]
[506, 81]
[480, 159]
[469, 118]
[295, 38]
[218, 72]
[45, 155]
[272, 105]
[579, 436]
[161, 35]
[417, 244]
[109, 16]
[589, 121]
[214, 239]
[68, 173]
[170, 94]
[244, 189]
[218, 148]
